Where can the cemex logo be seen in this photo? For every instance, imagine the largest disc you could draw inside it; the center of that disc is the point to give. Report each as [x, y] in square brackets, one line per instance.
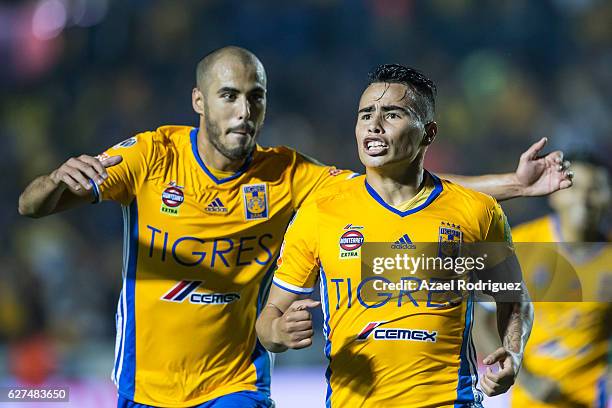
[373, 330]
[186, 288]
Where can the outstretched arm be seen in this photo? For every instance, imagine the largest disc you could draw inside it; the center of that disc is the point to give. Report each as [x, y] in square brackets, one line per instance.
[66, 187]
[535, 176]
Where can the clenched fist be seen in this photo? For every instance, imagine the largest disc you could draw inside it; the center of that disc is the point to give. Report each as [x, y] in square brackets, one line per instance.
[294, 327]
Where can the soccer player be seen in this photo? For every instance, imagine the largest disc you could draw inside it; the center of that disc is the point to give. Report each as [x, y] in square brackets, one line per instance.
[391, 349]
[205, 210]
[566, 360]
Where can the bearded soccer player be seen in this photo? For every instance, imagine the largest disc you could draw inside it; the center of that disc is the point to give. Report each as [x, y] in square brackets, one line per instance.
[205, 210]
[392, 351]
[566, 362]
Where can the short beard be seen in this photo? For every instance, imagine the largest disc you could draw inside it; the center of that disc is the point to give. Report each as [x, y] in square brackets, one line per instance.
[214, 135]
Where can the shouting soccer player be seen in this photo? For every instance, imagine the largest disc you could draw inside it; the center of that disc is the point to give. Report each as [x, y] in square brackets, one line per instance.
[205, 210]
[386, 350]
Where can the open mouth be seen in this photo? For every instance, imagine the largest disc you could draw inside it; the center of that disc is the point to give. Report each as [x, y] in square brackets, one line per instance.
[375, 146]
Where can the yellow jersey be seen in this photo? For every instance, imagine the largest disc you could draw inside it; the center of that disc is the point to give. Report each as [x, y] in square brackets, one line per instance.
[384, 350]
[199, 251]
[569, 341]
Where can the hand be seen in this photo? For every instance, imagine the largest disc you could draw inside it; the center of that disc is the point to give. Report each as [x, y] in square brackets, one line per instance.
[500, 382]
[294, 327]
[77, 171]
[542, 175]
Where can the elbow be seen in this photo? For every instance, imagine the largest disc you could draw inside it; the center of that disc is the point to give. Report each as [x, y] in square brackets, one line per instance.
[24, 209]
[27, 210]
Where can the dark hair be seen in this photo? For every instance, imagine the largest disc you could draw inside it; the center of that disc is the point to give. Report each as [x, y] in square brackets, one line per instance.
[424, 88]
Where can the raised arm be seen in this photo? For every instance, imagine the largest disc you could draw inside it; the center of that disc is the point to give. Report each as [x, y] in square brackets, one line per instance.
[285, 322]
[535, 176]
[66, 187]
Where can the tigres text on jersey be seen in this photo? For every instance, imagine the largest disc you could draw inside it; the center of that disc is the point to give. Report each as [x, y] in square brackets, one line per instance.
[199, 249]
[392, 351]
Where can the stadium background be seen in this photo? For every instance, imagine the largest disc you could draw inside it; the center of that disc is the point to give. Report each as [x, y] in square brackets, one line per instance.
[80, 75]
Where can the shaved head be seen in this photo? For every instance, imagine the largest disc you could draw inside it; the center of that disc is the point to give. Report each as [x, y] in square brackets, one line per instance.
[230, 97]
[231, 54]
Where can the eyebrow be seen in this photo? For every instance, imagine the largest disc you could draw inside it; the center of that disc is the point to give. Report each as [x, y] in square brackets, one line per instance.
[256, 89]
[386, 108]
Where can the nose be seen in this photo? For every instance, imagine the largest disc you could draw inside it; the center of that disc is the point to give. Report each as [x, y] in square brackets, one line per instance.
[244, 109]
[375, 126]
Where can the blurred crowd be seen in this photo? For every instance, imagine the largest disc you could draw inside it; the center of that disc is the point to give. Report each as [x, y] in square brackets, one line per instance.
[78, 76]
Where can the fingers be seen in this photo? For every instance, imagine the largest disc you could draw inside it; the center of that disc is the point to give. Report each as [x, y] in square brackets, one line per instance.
[69, 181]
[77, 175]
[307, 342]
[565, 165]
[304, 304]
[535, 148]
[296, 324]
[498, 355]
[495, 384]
[299, 326]
[556, 157]
[96, 172]
[111, 161]
[297, 316]
[77, 172]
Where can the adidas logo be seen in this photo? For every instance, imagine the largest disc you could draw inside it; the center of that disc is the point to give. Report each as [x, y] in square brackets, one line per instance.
[216, 207]
[403, 243]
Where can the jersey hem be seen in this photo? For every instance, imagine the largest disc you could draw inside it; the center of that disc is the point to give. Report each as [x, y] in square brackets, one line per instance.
[291, 288]
[193, 402]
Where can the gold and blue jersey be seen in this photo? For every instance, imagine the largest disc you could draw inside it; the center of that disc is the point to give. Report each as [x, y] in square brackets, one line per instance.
[199, 251]
[569, 342]
[392, 351]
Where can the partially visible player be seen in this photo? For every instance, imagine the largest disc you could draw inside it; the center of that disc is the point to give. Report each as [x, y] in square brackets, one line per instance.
[205, 210]
[390, 348]
[566, 361]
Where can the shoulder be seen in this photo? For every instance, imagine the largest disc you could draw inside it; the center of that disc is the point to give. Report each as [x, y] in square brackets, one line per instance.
[280, 154]
[466, 197]
[338, 194]
[529, 231]
[152, 141]
[171, 136]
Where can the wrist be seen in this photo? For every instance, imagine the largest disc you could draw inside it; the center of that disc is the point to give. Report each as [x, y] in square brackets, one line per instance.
[515, 186]
[56, 181]
[517, 361]
[276, 337]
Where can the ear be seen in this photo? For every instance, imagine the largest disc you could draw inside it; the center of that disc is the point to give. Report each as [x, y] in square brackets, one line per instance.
[431, 129]
[197, 101]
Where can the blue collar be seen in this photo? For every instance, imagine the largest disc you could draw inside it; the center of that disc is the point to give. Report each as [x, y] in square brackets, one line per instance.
[194, 147]
[432, 196]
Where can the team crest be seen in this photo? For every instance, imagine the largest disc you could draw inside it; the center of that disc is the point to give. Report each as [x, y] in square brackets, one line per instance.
[449, 240]
[172, 197]
[351, 241]
[255, 201]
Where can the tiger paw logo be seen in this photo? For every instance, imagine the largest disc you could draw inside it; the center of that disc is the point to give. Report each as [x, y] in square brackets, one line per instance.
[255, 198]
[172, 198]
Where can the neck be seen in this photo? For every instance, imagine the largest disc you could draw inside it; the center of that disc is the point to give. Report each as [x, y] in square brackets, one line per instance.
[397, 184]
[212, 157]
